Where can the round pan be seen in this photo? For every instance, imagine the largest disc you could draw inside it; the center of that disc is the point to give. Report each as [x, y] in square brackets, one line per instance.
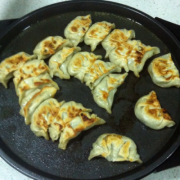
[41, 159]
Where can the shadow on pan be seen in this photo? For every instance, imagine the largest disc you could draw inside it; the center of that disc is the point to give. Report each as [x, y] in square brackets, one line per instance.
[39, 158]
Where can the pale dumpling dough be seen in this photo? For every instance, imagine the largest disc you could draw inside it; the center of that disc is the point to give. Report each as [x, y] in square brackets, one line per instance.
[115, 148]
[115, 38]
[59, 62]
[77, 28]
[163, 72]
[11, 64]
[148, 110]
[103, 93]
[50, 45]
[80, 64]
[97, 32]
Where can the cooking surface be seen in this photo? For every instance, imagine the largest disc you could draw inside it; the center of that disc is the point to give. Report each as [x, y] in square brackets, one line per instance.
[126, 103]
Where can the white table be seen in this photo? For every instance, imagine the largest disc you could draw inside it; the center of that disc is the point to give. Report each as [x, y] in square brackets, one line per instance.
[165, 9]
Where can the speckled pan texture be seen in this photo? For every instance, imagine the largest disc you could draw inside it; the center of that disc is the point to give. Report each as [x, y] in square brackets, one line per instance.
[72, 163]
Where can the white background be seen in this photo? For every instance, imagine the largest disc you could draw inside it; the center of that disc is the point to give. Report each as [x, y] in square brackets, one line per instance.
[165, 9]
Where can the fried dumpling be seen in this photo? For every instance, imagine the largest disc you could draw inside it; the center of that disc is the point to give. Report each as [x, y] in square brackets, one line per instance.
[103, 93]
[115, 148]
[139, 55]
[99, 70]
[45, 93]
[50, 45]
[80, 123]
[30, 69]
[164, 72]
[58, 63]
[46, 113]
[115, 38]
[148, 110]
[97, 32]
[132, 55]
[11, 64]
[35, 82]
[80, 64]
[77, 28]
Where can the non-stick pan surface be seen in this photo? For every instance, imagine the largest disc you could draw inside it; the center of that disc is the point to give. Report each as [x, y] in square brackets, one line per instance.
[42, 159]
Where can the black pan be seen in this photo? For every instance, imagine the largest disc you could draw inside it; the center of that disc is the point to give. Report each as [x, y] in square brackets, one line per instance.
[41, 159]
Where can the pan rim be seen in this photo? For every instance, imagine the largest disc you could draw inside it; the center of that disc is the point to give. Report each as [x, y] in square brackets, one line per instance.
[156, 163]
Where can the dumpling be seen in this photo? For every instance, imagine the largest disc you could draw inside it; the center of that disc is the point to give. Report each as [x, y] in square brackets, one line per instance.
[45, 93]
[58, 63]
[139, 55]
[97, 32]
[44, 115]
[164, 72]
[115, 38]
[80, 64]
[50, 45]
[11, 64]
[68, 111]
[99, 70]
[115, 148]
[132, 55]
[148, 110]
[77, 28]
[119, 55]
[35, 82]
[80, 123]
[103, 93]
[30, 69]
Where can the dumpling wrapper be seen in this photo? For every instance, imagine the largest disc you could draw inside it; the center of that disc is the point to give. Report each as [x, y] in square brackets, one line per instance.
[103, 93]
[80, 123]
[80, 64]
[115, 38]
[30, 69]
[35, 82]
[45, 93]
[45, 114]
[97, 33]
[132, 55]
[58, 63]
[115, 148]
[163, 72]
[77, 28]
[139, 55]
[148, 110]
[50, 45]
[11, 64]
[98, 71]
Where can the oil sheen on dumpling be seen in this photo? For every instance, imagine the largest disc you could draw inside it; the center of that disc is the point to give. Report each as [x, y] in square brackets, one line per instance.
[163, 72]
[103, 93]
[50, 45]
[97, 32]
[58, 63]
[11, 64]
[67, 112]
[115, 148]
[132, 55]
[77, 28]
[35, 82]
[45, 114]
[30, 69]
[99, 70]
[80, 123]
[148, 110]
[80, 64]
[115, 38]
[45, 93]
